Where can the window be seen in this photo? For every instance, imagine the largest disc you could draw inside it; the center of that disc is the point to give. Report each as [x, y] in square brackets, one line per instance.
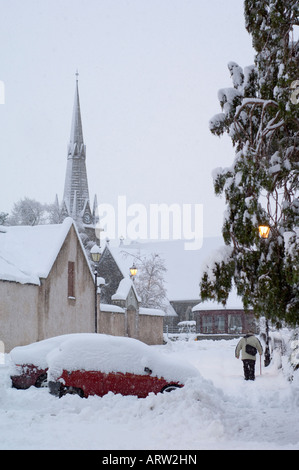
[207, 324]
[219, 323]
[71, 280]
[235, 323]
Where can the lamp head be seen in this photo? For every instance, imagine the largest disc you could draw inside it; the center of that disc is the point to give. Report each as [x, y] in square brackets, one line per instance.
[95, 253]
[133, 270]
[264, 231]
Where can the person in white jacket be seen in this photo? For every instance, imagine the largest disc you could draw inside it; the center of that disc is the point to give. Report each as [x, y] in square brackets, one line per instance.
[249, 345]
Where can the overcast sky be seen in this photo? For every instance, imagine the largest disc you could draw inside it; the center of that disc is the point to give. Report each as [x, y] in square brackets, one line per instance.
[149, 73]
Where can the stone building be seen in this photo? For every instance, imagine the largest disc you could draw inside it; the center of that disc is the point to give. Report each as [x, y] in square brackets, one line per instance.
[46, 284]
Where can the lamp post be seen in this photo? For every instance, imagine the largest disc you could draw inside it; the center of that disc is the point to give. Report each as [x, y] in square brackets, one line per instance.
[95, 255]
[133, 271]
[264, 231]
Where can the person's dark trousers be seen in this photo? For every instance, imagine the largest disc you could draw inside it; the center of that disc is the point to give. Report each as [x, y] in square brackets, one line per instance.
[249, 369]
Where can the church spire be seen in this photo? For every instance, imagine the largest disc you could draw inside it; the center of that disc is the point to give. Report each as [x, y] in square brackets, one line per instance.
[76, 138]
[76, 193]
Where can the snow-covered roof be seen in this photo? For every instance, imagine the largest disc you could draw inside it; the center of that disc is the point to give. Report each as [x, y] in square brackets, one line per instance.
[111, 308]
[123, 290]
[155, 312]
[234, 302]
[27, 253]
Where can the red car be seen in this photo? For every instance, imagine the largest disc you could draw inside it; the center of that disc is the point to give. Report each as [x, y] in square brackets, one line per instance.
[95, 364]
[30, 362]
[27, 375]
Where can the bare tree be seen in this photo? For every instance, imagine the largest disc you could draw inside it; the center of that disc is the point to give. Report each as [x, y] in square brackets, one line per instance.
[53, 213]
[27, 212]
[150, 282]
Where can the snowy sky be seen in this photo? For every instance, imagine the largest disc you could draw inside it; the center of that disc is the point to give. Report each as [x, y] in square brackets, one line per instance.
[149, 73]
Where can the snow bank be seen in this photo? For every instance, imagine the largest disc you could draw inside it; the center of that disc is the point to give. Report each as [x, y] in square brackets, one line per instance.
[215, 410]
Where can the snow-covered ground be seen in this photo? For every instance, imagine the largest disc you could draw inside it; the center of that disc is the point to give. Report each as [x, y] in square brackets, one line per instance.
[218, 411]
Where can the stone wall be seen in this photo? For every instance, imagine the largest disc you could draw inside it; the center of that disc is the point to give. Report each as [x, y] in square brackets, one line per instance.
[146, 328]
[18, 314]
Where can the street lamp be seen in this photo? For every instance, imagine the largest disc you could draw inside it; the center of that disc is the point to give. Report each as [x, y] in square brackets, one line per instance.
[264, 231]
[133, 271]
[95, 255]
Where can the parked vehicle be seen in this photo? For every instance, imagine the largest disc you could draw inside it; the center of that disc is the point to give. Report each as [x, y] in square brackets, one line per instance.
[95, 364]
[30, 362]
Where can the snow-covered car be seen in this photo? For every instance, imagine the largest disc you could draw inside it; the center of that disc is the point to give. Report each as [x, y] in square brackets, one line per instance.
[30, 362]
[95, 364]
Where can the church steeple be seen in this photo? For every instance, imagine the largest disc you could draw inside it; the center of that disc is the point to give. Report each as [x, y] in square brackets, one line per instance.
[76, 194]
[76, 137]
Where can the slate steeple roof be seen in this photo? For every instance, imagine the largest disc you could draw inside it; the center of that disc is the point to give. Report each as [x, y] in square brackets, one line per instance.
[76, 137]
[76, 202]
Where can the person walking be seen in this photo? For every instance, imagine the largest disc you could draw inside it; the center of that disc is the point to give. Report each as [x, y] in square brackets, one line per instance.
[249, 345]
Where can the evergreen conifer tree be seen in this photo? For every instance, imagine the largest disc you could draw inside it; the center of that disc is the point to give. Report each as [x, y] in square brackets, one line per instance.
[260, 113]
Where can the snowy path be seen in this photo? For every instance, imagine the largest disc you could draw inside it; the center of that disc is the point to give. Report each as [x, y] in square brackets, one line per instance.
[219, 411]
[255, 415]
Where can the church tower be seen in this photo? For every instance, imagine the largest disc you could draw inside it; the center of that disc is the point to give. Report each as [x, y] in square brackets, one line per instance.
[76, 202]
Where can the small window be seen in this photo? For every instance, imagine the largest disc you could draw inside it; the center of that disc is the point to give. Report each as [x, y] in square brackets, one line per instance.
[207, 324]
[235, 323]
[71, 280]
[219, 324]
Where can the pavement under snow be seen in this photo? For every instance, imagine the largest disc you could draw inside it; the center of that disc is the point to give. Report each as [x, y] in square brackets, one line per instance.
[217, 411]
